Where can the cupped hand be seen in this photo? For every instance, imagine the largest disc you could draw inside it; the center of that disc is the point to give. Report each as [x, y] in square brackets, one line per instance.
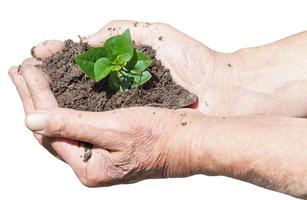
[259, 80]
[129, 144]
[241, 83]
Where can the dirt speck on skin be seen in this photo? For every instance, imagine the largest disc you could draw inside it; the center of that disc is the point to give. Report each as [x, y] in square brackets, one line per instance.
[160, 38]
[135, 24]
[229, 65]
[73, 89]
[183, 114]
[184, 123]
[32, 52]
[19, 70]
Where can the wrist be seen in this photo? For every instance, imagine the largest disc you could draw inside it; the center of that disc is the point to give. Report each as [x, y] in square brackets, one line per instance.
[188, 154]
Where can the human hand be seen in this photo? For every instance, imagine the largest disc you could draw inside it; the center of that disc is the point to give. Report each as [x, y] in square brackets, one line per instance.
[261, 80]
[34, 89]
[155, 142]
[150, 143]
[129, 144]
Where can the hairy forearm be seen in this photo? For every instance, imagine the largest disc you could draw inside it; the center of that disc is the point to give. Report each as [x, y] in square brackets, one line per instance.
[269, 152]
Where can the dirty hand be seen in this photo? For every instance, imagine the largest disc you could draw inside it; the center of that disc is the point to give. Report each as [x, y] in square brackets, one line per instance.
[138, 143]
[129, 144]
[260, 80]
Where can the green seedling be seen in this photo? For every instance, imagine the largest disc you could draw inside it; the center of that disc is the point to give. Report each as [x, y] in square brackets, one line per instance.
[118, 62]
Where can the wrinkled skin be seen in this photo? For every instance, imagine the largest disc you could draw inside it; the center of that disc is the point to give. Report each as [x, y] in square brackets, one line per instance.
[138, 143]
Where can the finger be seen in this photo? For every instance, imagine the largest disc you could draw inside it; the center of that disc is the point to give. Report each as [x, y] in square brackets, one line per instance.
[70, 151]
[38, 85]
[24, 94]
[22, 89]
[46, 49]
[100, 129]
[142, 32]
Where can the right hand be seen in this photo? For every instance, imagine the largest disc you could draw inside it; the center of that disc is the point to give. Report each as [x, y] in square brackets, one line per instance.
[241, 83]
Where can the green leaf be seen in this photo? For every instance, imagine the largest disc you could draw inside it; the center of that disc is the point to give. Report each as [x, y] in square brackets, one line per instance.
[146, 76]
[139, 79]
[132, 62]
[126, 82]
[139, 62]
[120, 45]
[114, 81]
[87, 60]
[102, 68]
[116, 67]
[143, 62]
[118, 63]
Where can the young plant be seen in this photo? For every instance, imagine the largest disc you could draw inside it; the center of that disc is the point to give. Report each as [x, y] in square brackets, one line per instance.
[123, 66]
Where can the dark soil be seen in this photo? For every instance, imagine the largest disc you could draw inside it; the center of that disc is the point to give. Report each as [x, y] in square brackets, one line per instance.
[73, 89]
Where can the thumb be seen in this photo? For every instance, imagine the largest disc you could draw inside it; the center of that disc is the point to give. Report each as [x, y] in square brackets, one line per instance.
[95, 128]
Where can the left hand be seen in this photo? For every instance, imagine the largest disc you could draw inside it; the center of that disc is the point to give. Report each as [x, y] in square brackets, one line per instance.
[129, 144]
[150, 143]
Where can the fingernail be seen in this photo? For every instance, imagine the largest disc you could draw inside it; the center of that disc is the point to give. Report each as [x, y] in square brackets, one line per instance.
[36, 121]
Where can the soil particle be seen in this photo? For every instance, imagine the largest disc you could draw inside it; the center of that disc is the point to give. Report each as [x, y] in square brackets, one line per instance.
[184, 123]
[229, 65]
[32, 52]
[73, 89]
[87, 152]
[135, 24]
[161, 38]
[19, 70]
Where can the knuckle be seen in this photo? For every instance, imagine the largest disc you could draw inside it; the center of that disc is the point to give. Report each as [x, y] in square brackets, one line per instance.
[12, 71]
[30, 62]
[57, 125]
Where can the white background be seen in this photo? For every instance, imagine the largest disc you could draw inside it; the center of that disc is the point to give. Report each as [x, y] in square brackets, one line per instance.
[28, 171]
